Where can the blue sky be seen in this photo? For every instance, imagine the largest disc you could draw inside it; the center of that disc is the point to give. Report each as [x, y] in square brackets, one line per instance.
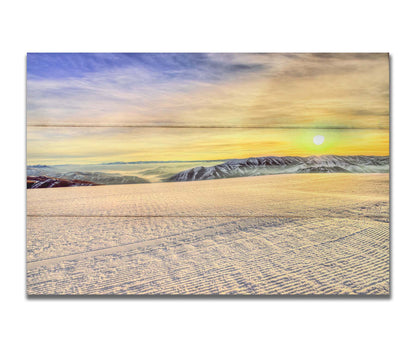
[165, 65]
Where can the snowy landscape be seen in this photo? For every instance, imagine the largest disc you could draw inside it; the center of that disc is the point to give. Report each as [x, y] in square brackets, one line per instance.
[148, 172]
[313, 234]
[208, 174]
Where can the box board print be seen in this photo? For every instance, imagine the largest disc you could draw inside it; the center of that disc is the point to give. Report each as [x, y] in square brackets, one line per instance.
[207, 174]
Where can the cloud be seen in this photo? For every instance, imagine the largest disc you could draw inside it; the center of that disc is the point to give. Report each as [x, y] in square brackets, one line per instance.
[199, 89]
[139, 89]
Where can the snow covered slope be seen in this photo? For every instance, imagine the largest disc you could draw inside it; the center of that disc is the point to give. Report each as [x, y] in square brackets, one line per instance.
[284, 165]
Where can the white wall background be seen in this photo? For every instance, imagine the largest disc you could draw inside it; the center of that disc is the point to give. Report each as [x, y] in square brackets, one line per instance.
[217, 26]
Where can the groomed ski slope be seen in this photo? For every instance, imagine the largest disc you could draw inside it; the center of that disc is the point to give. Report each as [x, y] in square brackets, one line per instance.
[304, 234]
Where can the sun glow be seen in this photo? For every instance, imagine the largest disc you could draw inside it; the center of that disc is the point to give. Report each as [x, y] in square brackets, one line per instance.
[318, 140]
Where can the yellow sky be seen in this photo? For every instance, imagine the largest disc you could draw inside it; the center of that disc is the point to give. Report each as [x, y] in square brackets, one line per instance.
[287, 99]
[148, 144]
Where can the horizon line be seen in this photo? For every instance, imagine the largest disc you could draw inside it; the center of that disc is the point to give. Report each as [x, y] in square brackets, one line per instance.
[206, 160]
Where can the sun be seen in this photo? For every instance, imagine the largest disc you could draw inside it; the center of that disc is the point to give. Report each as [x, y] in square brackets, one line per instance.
[318, 140]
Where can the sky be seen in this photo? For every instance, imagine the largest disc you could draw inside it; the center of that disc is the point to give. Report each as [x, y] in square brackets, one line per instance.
[87, 108]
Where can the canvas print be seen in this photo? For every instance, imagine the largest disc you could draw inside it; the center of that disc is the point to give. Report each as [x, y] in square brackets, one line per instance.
[208, 174]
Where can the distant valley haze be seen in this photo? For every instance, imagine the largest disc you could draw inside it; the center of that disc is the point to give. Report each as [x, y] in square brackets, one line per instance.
[147, 172]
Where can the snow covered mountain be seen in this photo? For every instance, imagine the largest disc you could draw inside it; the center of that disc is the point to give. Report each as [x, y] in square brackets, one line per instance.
[34, 182]
[93, 177]
[285, 165]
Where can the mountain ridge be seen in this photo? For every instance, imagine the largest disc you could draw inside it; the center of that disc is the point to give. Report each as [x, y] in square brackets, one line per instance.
[272, 165]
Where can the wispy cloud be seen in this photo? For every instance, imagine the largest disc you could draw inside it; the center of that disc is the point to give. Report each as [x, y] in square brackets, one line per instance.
[198, 89]
[139, 90]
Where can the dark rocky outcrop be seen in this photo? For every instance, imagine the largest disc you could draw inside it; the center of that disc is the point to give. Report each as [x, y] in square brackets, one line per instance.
[34, 182]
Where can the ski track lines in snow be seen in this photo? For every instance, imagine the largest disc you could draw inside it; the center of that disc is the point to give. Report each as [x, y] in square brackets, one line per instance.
[320, 234]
